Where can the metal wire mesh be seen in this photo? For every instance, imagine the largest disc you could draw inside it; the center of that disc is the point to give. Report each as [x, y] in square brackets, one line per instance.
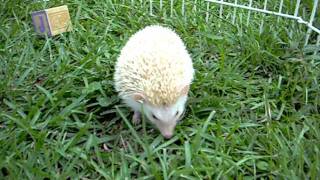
[280, 13]
[284, 9]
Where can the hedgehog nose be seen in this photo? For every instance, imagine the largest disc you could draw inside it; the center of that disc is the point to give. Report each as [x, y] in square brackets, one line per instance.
[167, 136]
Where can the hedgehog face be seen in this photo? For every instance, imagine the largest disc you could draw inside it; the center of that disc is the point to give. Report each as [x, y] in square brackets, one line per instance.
[165, 118]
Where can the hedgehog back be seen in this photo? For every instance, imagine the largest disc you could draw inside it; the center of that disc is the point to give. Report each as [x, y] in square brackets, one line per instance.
[155, 63]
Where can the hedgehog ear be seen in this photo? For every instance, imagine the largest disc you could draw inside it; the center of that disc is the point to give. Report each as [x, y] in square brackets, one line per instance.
[139, 97]
[185, 90]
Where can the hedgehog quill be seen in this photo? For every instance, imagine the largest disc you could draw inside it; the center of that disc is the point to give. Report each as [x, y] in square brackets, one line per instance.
[153, 74]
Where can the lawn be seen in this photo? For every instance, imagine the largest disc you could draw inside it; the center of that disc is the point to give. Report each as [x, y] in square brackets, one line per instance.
[253, 109]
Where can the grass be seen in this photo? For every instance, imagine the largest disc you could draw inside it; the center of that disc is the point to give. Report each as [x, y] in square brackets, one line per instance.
[253, 110]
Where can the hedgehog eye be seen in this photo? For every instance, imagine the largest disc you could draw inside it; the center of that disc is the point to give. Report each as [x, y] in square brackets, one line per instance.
[181, 116]
[154, 117]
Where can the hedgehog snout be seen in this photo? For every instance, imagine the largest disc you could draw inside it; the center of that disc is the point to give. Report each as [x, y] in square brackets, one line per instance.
[167, 131]
[168, 135]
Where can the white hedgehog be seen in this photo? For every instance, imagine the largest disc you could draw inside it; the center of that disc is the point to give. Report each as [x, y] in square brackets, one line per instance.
[153, 73]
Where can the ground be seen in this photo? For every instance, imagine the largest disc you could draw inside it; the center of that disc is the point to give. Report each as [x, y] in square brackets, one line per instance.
[253, 109]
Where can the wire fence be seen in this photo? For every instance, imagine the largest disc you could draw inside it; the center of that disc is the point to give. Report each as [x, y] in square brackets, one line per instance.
[282, 9]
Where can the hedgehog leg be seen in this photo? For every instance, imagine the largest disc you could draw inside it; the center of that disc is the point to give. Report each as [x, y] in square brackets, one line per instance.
[136, 118]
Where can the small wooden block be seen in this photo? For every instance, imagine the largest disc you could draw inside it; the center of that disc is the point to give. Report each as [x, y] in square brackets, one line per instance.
[52, 21]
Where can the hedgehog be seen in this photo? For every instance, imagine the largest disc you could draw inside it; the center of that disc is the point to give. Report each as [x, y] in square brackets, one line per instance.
[153, 74]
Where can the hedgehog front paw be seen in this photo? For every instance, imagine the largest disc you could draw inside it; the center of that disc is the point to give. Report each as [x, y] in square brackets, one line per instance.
[136, 118]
